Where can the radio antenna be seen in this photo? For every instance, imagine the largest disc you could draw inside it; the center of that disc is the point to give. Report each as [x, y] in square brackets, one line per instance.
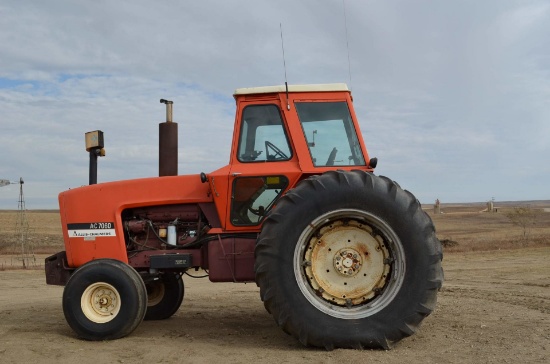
[284, 65]
[347, 42]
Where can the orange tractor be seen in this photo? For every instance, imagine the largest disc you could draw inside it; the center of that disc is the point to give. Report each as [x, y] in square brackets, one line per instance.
[343, 258]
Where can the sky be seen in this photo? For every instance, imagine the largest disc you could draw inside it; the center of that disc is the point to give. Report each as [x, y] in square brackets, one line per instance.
[452, 97]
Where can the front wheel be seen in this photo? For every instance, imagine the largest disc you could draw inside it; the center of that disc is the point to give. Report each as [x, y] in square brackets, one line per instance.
[164, 296]
[348, 259]
[104, 299]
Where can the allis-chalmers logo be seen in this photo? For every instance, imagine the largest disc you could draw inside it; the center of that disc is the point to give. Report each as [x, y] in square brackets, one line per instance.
[91, 229]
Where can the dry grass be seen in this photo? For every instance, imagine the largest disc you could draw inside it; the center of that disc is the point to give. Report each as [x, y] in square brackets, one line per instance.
[464, 224]
[474, 230]
[45, 234]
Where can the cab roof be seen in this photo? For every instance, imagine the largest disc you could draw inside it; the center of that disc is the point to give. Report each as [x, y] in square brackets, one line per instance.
[326, 87]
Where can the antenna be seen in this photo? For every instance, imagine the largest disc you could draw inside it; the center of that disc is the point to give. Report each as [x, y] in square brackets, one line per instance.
[284, 65]
[347, 43]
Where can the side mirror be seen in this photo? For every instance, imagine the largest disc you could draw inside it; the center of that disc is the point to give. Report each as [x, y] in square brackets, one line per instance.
[373, 162]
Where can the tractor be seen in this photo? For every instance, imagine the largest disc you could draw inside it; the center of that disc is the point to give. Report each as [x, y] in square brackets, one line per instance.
[343, 258]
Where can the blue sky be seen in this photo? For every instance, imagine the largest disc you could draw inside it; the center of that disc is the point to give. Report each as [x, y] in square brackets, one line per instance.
[453, 97]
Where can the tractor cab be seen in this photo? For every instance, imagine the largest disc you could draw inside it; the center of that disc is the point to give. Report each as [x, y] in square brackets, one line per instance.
[282, 135]
[313, 125]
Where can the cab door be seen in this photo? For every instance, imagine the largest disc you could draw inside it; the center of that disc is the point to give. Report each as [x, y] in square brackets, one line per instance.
[263, 165]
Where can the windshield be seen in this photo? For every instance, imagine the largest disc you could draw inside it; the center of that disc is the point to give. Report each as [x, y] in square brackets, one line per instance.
[330, 135]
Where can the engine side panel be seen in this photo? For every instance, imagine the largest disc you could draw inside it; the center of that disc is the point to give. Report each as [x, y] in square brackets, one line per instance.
[91, 215]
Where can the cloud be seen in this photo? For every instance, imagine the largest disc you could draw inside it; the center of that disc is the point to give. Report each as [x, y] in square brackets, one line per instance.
[451, 96]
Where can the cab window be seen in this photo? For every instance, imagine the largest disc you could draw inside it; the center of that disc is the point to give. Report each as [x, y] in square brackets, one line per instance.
[262, 135]
[253, 197]
[330, 134]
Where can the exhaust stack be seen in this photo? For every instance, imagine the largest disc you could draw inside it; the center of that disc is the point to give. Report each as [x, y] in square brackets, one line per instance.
[168, 143]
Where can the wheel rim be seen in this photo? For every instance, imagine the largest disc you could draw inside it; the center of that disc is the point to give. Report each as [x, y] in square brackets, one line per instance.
[100, 302]
[155, 293]
[349, 263]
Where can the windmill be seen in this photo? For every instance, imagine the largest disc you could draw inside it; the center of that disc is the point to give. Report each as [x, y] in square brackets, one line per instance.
[22, 247]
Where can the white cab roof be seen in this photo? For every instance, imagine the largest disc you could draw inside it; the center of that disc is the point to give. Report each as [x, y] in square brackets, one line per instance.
[292, 88]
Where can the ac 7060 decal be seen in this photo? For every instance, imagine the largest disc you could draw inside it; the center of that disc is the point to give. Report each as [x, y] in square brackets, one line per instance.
[91, 229]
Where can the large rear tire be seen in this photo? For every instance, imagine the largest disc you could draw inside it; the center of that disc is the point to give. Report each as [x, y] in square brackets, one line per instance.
[348, 260]
[164, 296]
[104, 299]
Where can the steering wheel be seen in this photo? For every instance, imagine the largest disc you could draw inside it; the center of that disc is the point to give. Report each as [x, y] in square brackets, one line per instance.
[278, 152]
[259, 212]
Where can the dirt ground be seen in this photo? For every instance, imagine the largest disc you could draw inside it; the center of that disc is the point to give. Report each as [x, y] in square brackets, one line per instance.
[494, 308]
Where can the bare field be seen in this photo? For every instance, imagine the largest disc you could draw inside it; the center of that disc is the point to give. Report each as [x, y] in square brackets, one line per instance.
[463, 223]
[45, 234]
[494, 308]
[474, 230]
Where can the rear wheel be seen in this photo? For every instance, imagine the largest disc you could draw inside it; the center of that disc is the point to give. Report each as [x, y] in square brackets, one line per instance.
[348, 263]
[359, 265]
[104, 299]
[164, 296]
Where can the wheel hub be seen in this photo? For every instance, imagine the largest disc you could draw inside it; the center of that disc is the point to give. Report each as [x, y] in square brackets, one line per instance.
[104, 301]
[347, 263]
[100, 302]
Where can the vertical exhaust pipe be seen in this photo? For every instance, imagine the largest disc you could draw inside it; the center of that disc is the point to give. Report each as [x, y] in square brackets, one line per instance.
[168, 143]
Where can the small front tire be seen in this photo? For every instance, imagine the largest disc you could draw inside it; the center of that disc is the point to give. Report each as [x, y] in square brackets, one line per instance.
[104, 299]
